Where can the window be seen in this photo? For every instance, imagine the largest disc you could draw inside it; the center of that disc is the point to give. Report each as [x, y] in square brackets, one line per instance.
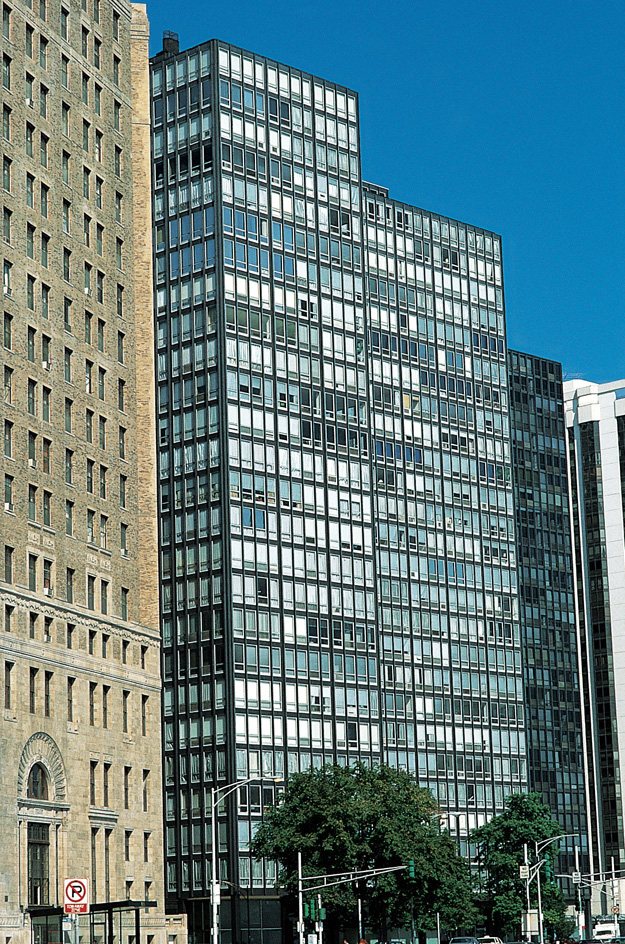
[124, 603]
[64, 68]
[118, 161]
[104, 596]
[116, 70]
[33, 690]
[38, 858]
[65, 167]
[105, 705]
[146, 790]
[117, 116]
[30, 139]
[8, 495]
[97, 53]
[106, 771]
[67, 260]
[8, 692]
[125, 703]
[85, 42]
[144, 715]
[90, 592]
[102, 432]
[6, 22]
[93, 765]
[47, 694]
[32, 570]
[70, 693]
[68, 415]
[8, 385]
[69, 518]
[8, 564]
[45, 192]
[122, 442]
[32, 504]
[6, 173]
[65, 119]
[127, 773]
[89, 426]
[67, 314]
[8, 439]
[69, 467]
[6, 225]
[116, 19]
[69, 593]
[44, 142]
[43, 52]
[37, 786]
[7, 278]
[6, 122]
[97, 99]
[6, 71]
[64, 24]
[118, 207]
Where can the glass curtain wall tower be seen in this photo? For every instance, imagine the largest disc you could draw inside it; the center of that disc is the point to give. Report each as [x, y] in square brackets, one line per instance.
[550, 645]
[337, 519]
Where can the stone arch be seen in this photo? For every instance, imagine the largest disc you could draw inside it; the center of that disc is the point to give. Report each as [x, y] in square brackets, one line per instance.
[42, 749]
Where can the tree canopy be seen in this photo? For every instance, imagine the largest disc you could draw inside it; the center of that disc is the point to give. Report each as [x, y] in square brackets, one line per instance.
[363, 817]
[500, 851]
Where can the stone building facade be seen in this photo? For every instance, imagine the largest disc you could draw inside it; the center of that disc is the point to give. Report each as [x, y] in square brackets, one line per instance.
[80, 767]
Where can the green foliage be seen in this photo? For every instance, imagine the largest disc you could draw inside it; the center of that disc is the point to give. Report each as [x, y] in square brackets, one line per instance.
[359, 818]
[500, 849]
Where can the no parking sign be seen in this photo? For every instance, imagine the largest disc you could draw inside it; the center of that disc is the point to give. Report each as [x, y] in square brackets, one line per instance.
[76, 896]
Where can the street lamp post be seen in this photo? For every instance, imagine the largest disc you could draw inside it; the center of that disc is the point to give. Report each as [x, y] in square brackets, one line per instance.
[217, 795]
[539, 846]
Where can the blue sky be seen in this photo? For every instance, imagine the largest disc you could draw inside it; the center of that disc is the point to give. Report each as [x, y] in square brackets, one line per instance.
[509, 114]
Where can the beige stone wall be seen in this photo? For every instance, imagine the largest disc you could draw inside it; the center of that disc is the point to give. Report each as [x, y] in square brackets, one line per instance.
[144, 319]
[50, 637]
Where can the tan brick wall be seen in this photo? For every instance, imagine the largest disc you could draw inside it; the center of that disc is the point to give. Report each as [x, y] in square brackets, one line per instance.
[144, 319]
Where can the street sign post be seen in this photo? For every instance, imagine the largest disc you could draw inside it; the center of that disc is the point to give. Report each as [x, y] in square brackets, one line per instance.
[576, 878]
[524, 871]
[76, 896]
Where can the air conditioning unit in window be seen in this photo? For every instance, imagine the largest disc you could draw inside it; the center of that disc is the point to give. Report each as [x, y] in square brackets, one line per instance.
[87, 291]
[125, 552]
[48, 591]
[47, 365]
[32, 463]
[30, 102]
[8, 506]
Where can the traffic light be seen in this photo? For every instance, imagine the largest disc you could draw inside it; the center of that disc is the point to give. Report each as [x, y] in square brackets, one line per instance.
[411, 869]
[322, 913]
[306, 910]
[548, 869]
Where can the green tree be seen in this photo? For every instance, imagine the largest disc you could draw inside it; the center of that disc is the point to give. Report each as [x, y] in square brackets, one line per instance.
[500, 850]
[369, 817]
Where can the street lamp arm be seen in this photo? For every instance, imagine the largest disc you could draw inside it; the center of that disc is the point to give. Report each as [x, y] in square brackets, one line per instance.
[545, 842]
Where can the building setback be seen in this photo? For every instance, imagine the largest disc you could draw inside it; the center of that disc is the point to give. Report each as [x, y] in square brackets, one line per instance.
[80, 767]
[337, 508]
[548, 620]
[595, 420]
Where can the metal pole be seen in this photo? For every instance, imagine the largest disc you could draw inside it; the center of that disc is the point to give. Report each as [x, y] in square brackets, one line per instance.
[579, 895]
[300, 896]
[319, 922]
[540, 900]
[616, 927]
[359, 918]
[527, 894]
[438, 927]
[214, 882]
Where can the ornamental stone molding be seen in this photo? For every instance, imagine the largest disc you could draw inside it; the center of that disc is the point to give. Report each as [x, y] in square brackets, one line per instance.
[42, 749]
